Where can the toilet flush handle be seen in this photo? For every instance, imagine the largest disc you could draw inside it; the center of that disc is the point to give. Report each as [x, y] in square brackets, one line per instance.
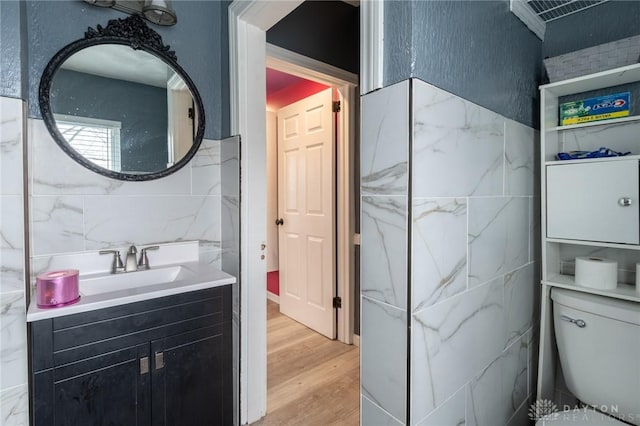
[580, 323]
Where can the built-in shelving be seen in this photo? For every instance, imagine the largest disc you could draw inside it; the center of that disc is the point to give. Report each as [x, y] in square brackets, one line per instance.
[578, 198]
[595, 123]
[594, 243]
[601, 80]
[623, 291]
[592, 160]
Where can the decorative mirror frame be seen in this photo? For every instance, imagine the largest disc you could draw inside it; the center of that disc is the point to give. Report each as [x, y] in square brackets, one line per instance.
[132, 32]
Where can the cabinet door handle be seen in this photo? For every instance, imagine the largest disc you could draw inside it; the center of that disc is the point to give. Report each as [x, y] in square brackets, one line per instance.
[625, 201]
[159, 360]
[144, 365]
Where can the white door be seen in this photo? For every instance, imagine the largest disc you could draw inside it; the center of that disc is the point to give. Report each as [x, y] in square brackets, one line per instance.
[306, 153]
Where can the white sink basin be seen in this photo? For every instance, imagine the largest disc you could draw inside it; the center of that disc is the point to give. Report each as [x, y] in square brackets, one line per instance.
[106, 283]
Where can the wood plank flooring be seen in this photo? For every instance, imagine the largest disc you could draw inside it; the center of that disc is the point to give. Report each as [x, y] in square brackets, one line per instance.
[311, 380]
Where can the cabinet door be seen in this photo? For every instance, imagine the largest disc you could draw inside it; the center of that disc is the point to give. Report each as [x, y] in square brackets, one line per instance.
[106, 390]
[585, 201]
[191, 380]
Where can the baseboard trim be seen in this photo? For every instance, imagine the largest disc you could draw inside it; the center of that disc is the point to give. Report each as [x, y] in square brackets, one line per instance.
[273, 297]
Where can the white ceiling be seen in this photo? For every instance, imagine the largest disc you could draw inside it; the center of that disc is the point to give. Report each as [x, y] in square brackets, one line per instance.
[120, 62]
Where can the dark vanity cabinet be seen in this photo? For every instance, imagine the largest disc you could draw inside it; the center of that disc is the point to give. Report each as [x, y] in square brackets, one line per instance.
[165, 361]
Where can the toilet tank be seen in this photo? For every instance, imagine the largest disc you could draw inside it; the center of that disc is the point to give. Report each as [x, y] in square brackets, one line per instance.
[598, 342]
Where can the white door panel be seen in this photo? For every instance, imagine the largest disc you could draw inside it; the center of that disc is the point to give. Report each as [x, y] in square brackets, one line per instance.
[306, 152]
[583, 201]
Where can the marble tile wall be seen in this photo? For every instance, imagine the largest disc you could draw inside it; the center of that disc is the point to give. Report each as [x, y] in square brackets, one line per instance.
[75, 210]
[230, 245]
[474, 269]
[448, 260]
[384, 254]
[14, 400]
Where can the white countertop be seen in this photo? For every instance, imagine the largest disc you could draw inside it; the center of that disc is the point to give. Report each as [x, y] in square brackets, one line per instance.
[204, 276]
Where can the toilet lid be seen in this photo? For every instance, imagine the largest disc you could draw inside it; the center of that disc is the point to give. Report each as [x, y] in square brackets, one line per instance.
[581, 417]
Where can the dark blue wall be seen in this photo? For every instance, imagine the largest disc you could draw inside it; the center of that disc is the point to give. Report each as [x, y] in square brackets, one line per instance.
[328, 31]
[603, 23]
[141, 109]
[13, 49]
[477, 50]
[198, 39]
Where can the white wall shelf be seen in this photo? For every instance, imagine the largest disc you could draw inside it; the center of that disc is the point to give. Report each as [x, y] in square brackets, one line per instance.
[575, 209]
[623, 291]
[601, 80]
[594, 244]
[592, 160]
[594, 123]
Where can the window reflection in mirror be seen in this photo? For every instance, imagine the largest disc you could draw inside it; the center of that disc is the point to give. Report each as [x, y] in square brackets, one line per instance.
[123, 109]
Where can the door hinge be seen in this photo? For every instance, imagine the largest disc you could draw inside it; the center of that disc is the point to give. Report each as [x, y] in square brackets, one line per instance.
[336, 106]
[337, 302]
[357, 239]
[191, 113]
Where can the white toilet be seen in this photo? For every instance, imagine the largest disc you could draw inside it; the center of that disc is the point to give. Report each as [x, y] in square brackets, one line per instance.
[598, 342]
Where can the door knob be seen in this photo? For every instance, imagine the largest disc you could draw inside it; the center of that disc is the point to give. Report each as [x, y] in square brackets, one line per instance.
[280, 221]
[625, 201]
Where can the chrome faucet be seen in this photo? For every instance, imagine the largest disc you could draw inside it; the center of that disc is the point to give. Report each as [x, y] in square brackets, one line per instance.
[116, 265]
[130, 264]
[143, 263]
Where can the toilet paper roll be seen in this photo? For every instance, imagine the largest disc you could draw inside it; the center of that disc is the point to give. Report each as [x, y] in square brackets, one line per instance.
[596, 272]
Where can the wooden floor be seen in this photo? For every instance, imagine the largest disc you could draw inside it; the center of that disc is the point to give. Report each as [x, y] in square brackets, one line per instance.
[311, 380]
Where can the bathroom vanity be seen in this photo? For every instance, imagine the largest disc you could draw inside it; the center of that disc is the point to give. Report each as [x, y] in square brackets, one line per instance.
[163, 361]
[155, 352]
[589, 207]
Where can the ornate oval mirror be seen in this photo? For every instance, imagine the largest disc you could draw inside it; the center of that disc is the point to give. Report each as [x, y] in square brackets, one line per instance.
[118, 103]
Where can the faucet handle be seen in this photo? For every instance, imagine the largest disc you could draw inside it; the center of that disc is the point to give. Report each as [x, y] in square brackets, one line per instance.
[144, 260]
[116, 265]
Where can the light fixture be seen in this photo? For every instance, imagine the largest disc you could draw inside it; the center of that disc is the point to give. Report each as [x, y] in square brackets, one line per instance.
[101, 3]
[157, 11]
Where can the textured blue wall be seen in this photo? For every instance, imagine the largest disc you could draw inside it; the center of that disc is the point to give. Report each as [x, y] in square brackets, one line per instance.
[13, 49]
[197, 38]
[477, 50]
[603, 23]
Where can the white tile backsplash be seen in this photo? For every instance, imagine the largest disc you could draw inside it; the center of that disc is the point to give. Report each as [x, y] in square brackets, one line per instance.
[384, 249]
[14, 406]
[11, 135]
[205, 169]
[385, 130]
[473, 259]
[57, 224]
[373, 415]
[13, 336]
[14, 402]
[458, 147]
[383, 368]
[451, 412]
[11, 243]
[452, 340]
[122, 220]
[498, 236]
[520, 147]
[439, 250]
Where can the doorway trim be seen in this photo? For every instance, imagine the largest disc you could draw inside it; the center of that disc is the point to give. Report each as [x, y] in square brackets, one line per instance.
[248, 22]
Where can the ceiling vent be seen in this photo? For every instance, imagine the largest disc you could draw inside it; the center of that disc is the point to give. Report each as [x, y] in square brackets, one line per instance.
[536, 13]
